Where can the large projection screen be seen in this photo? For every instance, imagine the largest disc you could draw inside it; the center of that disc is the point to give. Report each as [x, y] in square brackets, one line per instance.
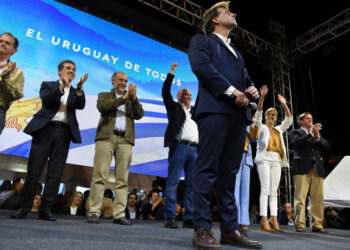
[50, 32]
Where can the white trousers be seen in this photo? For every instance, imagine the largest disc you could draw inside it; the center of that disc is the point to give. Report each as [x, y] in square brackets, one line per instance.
[269, 171]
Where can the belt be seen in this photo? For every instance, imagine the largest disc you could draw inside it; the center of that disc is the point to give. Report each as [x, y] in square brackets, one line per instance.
[119, 133]
[188, 143]
[58, 124]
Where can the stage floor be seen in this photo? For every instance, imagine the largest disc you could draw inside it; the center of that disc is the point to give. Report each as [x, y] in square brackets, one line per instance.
[70, 232]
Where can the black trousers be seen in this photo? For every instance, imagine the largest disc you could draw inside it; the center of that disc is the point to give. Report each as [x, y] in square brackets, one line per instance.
[51, 143]
[220, 149]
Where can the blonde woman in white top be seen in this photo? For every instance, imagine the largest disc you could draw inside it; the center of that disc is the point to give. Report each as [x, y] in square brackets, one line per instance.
[270, 158]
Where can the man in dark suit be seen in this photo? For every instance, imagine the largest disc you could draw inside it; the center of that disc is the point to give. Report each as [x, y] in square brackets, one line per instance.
[222, 116]
[52, 128]
[181, 136]
[307, 166]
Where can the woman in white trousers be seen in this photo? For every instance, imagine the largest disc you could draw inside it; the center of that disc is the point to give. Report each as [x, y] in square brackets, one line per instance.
[270, 158]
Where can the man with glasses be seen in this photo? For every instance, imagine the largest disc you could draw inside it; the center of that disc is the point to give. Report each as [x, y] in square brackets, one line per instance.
[131, 211]
[286, 217]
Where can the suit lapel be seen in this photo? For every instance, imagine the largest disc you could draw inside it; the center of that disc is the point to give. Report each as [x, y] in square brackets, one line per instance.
[302, 131]
[70, 96]
[218, 39]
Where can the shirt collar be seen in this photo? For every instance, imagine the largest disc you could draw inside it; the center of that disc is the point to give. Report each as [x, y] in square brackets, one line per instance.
[184, 107]
[307, 131]
[224, 39]
[6, 61]
[62, 82]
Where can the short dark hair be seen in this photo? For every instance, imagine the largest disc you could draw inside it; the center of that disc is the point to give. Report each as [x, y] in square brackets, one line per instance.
[16, 43]
[301, 116]
[108, 193]
[132, 193]
[14, 183]
[61, 64]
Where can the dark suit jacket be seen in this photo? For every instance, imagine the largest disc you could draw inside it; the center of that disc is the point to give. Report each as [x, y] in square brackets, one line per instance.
[217, 69]
[307, 151]
[50, 95]
[175, 112]
[127, 214]
[66, 210]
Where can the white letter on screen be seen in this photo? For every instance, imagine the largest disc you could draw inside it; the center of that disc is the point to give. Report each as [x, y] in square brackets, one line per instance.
[30, 32]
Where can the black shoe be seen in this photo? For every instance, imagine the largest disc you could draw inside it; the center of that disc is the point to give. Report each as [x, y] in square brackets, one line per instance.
[188, 224]
[45, 214]
[93, 219]
[171, 223]
[21, 213]
[122, 221]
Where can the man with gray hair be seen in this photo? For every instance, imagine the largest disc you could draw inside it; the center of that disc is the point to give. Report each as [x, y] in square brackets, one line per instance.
[115, 135]
[11, 77]
[181, 136]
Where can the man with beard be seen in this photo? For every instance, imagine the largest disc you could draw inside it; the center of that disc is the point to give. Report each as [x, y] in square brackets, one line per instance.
[115, 136]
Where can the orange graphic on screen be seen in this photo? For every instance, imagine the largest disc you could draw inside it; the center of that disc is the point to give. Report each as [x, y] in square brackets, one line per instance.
[20, 111]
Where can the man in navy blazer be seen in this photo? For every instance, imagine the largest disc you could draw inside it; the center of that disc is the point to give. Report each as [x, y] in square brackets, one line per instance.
[52, 128]
[222, 116]
[309, 172]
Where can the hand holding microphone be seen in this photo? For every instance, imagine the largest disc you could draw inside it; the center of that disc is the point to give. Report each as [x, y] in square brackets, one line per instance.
[241, 100]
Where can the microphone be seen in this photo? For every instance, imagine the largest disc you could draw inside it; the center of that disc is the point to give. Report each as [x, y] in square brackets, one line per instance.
[253, 106]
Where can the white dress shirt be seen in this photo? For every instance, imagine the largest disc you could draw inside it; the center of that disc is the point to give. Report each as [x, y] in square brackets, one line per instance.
[226, 41]
[189, 130]
[132, 214]
[120, 122]
[2, 65]
[73, 210]
[61, 115]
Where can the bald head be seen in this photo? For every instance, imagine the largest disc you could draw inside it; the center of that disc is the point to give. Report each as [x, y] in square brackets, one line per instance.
[120, 82]
[184, 96]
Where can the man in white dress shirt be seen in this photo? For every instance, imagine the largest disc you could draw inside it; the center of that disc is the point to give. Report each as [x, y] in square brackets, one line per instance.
[182, 138]
[52, 128]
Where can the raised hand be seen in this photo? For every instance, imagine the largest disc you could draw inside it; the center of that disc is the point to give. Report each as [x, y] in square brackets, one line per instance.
[263, 90]
[6, 74]
[281, 99]
[132, 90]
[173, 67]
[316, 130]
[82, 80]
[284, 105]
